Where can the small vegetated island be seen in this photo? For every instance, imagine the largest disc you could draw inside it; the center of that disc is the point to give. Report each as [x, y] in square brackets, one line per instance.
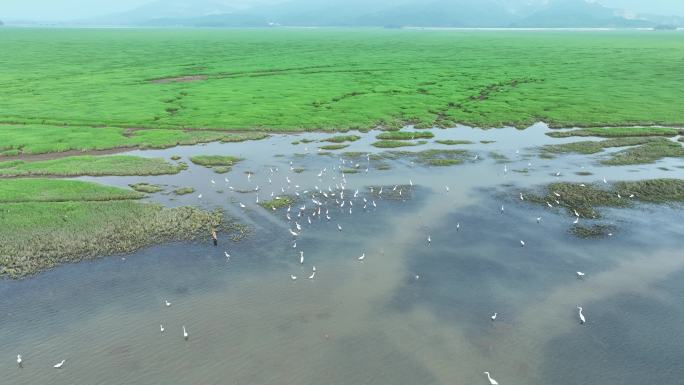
[66, 120]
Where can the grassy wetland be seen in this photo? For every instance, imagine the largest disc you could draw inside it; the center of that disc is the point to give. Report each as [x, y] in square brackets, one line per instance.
[374, 184]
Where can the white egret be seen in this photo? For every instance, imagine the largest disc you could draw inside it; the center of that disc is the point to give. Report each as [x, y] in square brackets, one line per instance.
[199, 196]
[538, 219]
[185, 333]
[293, 277]
[301, 257]
[581, 316]
[59, 364]
[491, 380]
[493, 317]
[161, 328]
[429, 239]
[167, 303]
[522, 243]
[521, 197]
[242, 205]
[575, 221]
[19, 360]
[293, 233]
[362, 257]
[580, 275]
[313, 274]
[213, 181]
[339, 227]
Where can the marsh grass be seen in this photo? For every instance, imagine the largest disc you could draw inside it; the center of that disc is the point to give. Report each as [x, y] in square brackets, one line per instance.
[342, 139]
[593, 147]
[405, 135]
[331, 147]
[616, 132]
[72, 231]
[585, 199]
[184, 191]
[396, 143]
[59, 190]
[40, 139]
[646, 153]
[278, 202]
[88, 165]
[266, 80]
[146, 188]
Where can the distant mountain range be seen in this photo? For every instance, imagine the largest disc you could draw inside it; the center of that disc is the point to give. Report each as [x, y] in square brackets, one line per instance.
[381, 13]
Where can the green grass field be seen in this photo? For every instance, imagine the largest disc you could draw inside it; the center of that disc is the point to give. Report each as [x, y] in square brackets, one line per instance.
[334, 79]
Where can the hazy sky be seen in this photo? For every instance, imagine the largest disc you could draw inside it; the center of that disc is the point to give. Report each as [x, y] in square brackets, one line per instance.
[72, 9]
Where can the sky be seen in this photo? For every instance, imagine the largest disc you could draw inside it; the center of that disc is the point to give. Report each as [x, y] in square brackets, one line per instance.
[63, 10]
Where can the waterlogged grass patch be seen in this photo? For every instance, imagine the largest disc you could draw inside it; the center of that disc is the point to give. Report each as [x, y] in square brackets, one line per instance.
[405, 135]
[498, 157]
[146, 188]
[342, 138]
[616, 132]
[433, 157]
[90, 166]
[396, 143]
[72, 231]
[184, 191]
[646, 153]
[331, 147]
[277, 202]
[59, 190]
[593, 231]
[586, 198]
[593, 147]
[214, 160]
[449, 142]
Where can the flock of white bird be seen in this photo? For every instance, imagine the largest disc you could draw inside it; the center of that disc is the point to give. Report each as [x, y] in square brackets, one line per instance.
[322, 200]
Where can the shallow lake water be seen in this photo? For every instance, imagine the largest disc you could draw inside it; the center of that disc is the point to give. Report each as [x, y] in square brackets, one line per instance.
[412, 312]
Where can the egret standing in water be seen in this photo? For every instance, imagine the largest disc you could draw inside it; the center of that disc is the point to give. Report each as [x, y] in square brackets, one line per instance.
[581, 316]
[19, 360]
[185, 333]
[59, 365]
[301, 257]
[493, 317]
[580, 275]
[161, 328]
[491, 380]
[362, 257]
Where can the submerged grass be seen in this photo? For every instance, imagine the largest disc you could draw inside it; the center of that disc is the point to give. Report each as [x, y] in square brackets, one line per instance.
[91, 166]
[450, 142]
[594, 231]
